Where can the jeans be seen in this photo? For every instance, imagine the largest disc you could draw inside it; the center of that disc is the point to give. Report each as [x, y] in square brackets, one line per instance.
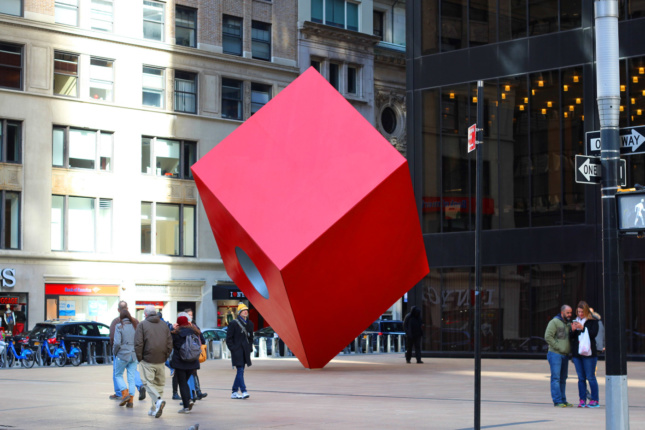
[559, 370]
[131, 367]
[238, 384]
[137, 378]
[586, 370]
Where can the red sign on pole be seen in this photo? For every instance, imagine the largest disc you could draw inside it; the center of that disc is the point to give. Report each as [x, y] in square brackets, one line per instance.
[472, 139]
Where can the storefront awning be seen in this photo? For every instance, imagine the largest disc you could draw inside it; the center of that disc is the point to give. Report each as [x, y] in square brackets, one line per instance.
[227, 292]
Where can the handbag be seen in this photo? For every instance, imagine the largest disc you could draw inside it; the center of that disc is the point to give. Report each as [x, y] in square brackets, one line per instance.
[584, 344]
[203, 355]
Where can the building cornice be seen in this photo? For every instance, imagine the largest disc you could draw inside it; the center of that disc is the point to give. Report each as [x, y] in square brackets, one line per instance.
[388, 56]
[326, 34]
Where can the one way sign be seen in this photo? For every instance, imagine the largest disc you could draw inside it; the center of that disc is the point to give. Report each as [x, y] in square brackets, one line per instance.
[632, 141]
[588, 170]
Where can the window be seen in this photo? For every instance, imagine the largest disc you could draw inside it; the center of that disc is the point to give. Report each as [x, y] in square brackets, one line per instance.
[11, 141]
[185, 26]
[169, 229]
[352, 77]
[334, 75]
[153, 20]
[10, 219]
[185, 92]
[231, 99]
[153, 87]
[77, 224]
[65, 74]
[75, 148]
[171, 158]
[11, 7]
[10, 66]
[101, 79]
[102, 16]
[339, 13]
[232, 35]
[260, 95]
[378, 24]
[66, 12]
[316, 65]
[261, 40]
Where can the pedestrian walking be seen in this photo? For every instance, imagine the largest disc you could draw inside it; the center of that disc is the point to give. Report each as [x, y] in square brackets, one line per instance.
[125, 357]
[137, 378]
[557, 337]
[239, 340]
[413, 327]
[585, 354]
[153, 345]
[196, 388]
[184, 366]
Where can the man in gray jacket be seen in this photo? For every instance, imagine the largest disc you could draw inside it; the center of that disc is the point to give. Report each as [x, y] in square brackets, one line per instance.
[557, 337]
[153, 345]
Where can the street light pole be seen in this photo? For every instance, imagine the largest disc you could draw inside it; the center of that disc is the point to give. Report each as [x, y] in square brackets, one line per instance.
[478, 255]
[608, 90]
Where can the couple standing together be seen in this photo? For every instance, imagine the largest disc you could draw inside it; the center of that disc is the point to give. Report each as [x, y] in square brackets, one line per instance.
[566, 337]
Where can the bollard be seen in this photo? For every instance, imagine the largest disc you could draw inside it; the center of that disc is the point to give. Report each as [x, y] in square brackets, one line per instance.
[357, 345]
[400, 338]
[91, 353]
[107, 357]
[378, 344]
[226, 354]
[388, 348]
[262, 347]
[275, 347]
[3, 354]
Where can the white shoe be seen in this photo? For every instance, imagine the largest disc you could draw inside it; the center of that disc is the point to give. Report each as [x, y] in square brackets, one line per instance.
[151, 413]
[236, 395]
[245, 395]
[159, 407]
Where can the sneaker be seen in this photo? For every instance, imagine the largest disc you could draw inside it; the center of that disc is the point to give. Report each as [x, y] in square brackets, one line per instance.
[175, 396]
[115, 397]
[184, 411]
[245, 395]
[159, 407]
[190, 405]
[582, 404]
[593, 404]
[567, 405]
[419, 362]
[236, 395]
[151, 413]
[563, 405]
[142, 393]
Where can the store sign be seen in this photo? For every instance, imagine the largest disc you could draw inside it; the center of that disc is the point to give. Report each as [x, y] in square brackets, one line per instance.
[8, 278]
[81, 290]
[141, 305]
[227, 292]
[8, 300]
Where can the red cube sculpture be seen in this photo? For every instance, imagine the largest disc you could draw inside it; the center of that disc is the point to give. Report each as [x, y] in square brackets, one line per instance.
[314, 216]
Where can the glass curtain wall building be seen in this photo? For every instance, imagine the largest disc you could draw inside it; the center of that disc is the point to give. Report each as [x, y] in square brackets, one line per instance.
[541, 240]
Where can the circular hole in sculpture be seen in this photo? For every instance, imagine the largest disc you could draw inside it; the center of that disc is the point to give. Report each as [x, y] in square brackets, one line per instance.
[252, 272]
[388, 120]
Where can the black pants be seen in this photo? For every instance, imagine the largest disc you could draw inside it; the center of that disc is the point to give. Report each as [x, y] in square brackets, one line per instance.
[182, 380]
[412, 342]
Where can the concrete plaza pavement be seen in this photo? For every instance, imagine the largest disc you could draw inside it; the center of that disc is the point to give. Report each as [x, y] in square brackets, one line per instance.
[377, 391]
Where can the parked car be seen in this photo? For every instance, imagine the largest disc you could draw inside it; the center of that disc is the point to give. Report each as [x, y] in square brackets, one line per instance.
[383, 329]
[82, 333]
[214, 334]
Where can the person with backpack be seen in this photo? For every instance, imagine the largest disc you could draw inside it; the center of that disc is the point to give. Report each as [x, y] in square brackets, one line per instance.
[185, 358]
[125, 357]
[239, 340]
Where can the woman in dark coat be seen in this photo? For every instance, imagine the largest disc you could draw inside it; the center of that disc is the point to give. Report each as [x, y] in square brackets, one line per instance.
[585, 364]
[239, 340]
[413, 327]
[183, 369]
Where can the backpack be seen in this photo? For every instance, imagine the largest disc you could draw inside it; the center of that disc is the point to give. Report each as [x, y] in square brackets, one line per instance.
[600, 337]
[191, 348]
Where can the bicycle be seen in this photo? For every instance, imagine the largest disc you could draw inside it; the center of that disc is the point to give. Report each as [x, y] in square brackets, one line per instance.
[49, 350]
[74, 353]
[26, 357]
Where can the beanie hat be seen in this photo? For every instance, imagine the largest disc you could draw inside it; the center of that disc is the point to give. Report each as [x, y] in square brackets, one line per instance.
[182, 320]
[241, 307]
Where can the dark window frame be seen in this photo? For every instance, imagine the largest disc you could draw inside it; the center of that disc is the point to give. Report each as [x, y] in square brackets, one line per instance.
[187, 10]
[182, 233]
[260, 88]
[97, 159]
[239, 100]
[4, 124]
[3, 227]
[97, 224]
[258, 29]
[233, 34]
[22, 9]
[179, 93]
[184, 169]
[13, 67]
[65, 57]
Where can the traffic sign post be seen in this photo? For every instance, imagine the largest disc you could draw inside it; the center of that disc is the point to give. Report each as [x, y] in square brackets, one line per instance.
[632, 141]
[588, 170]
